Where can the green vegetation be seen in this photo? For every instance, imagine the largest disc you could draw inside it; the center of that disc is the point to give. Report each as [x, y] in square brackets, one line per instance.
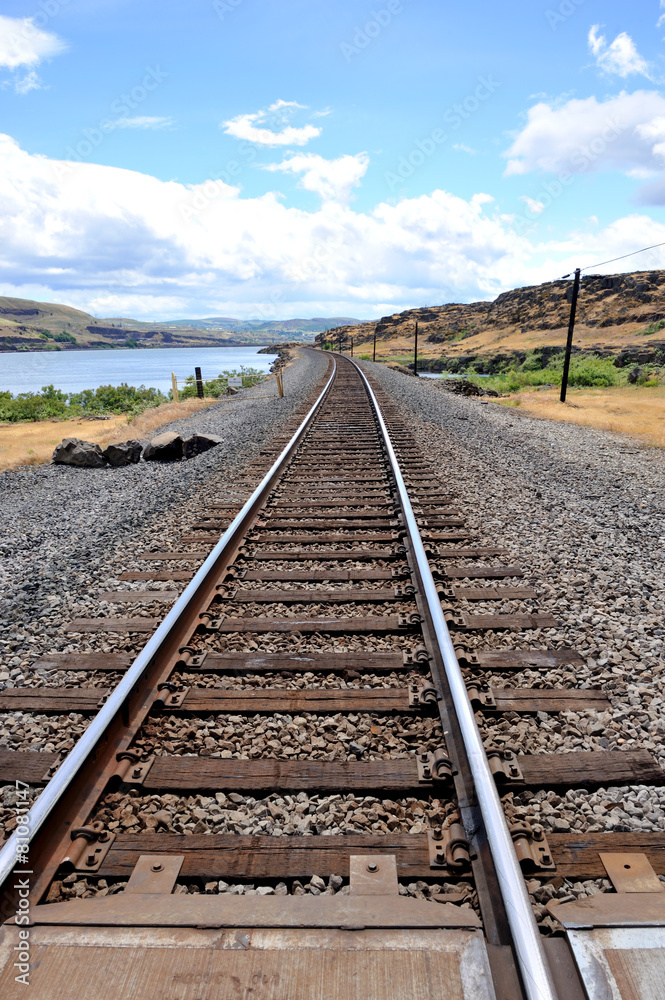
[217, 387]
[365, 357]
[53, 403]
[60, 338]
[585, 370]
[652, 328]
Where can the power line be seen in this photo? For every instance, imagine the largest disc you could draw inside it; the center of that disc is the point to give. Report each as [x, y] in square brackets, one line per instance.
[623, 257]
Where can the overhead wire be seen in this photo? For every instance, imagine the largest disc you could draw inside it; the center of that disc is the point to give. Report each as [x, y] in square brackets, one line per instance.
[613, 259]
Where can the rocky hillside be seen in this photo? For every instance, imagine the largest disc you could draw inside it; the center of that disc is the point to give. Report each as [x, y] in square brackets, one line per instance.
[613, 311]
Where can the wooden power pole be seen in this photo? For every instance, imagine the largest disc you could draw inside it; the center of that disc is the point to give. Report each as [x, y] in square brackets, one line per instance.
[569, 339]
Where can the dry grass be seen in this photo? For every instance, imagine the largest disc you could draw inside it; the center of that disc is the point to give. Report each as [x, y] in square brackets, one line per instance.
[638, 411]
[33, 443]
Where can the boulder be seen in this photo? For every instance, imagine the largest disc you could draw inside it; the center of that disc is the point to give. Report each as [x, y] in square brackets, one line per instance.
[126, 453]
[73, 451]
[165, 447]
[198, 443]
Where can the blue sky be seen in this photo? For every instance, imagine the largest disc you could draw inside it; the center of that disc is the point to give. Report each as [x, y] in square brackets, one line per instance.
[269, 159]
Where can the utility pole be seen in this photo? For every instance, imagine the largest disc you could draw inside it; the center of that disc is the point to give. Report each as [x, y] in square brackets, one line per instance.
[569, 339]
[374, 346]
[415, 352]
[351, 346]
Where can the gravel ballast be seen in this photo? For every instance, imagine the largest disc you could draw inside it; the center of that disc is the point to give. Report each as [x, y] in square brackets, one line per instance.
[67, 528]
[582, 511]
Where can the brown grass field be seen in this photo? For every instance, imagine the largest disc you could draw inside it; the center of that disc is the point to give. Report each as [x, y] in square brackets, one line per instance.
[638, 411]
[33, 443]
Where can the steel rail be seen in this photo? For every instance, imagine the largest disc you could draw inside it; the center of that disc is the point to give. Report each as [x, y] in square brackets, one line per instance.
[73, 763]
[527, 941]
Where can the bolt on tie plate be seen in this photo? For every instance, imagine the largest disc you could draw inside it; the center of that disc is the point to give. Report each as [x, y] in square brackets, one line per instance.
[90, 845]
[190, 658]
[435, 768]
[533, 851]
[449, 848]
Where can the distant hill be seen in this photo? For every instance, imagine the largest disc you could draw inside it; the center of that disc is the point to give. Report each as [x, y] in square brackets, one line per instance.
[44, 326]
[276, 326]
[615, 313]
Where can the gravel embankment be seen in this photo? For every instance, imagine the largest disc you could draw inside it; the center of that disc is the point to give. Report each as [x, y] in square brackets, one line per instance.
[65, 529]
[582, 511]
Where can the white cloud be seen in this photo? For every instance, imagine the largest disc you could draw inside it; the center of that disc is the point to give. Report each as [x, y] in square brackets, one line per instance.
[251, 127]
[461, 147]
[24, 84]
[117, 242]
[143, 122]
[22, 44]
[626, 132]
[620, 57]
[534, 206]
[333, 180]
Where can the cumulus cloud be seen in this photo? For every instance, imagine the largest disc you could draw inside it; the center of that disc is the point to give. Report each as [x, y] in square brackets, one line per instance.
[116, 242]
[620, 57]
[332, 180]
[23, 44]
[626, 133]
[256, 127]
[143, 122]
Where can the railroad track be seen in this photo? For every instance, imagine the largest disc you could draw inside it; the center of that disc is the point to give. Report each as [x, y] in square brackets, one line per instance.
[287, 795]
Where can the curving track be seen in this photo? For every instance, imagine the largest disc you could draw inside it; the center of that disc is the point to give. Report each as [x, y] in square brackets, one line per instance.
[303, 722]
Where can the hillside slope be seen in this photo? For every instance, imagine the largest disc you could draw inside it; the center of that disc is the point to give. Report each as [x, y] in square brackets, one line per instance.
[41, 326]
[613, 313]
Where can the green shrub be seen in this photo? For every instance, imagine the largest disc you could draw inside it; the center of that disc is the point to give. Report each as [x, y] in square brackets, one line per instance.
[214, 388]
[121, 398]
[653, 328]
[51, 402]
[64, 338]
[585, 370]
[365, 357]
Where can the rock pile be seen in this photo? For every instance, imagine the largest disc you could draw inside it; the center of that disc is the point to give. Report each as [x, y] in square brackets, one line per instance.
[167, 447]
[462, 387]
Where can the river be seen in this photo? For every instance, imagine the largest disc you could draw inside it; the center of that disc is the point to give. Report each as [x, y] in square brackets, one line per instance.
[72, 371]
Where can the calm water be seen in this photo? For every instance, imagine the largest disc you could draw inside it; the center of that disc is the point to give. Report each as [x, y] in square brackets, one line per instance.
[72, 371]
